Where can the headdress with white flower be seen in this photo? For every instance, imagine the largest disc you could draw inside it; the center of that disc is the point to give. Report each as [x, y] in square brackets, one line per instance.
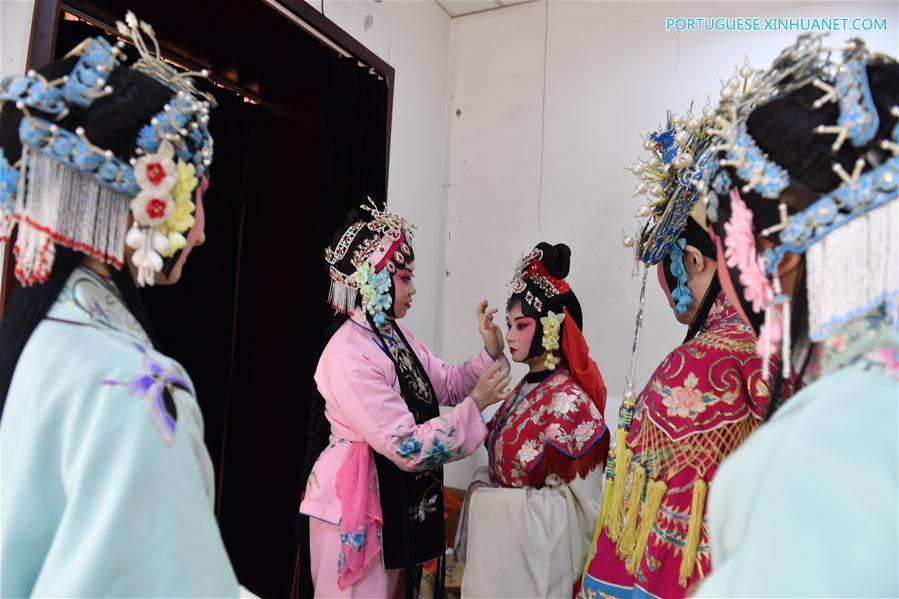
[66, 190]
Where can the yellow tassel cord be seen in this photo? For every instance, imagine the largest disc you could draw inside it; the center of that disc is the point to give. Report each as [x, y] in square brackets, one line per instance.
[655, 492]
[622, 465]
[603, 507]
[607, 488]
[606, 491]
[691, 547]
[628, 537]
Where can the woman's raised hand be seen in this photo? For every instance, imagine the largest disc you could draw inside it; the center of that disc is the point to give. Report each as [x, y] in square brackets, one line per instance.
[493, 338]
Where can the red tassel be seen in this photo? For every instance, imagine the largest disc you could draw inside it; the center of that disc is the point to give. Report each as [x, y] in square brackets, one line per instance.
[567, 468]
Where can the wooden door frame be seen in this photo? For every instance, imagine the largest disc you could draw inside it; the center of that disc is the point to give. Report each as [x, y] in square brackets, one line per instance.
[42, 48]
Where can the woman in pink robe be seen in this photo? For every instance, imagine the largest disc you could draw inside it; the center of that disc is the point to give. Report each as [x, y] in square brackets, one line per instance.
[375, 494]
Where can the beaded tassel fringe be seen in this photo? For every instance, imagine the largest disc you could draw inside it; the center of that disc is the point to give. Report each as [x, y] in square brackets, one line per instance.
[854, 270]
[58, 205]
[341, 297]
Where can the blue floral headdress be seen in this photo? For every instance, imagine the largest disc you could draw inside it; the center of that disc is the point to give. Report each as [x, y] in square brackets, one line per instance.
[66, 190]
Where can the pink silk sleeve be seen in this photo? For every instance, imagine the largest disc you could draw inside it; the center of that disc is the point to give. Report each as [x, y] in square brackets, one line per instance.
[452, 383]
[374, 408]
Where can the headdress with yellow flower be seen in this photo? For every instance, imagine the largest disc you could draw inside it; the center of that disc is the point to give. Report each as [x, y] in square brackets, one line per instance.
[60, 188]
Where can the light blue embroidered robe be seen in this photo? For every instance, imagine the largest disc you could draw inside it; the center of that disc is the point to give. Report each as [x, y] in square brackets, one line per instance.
[808, 505]
[105, 490]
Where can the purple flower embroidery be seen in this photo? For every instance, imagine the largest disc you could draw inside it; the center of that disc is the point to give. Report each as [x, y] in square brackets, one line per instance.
[154, 386]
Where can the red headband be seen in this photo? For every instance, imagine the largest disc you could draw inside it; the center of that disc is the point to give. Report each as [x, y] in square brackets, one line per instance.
[537, 268]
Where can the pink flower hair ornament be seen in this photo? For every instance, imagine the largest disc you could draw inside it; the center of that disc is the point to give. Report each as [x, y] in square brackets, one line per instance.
[741, 253]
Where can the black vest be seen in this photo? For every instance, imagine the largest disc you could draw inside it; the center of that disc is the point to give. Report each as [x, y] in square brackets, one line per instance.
[411, 502]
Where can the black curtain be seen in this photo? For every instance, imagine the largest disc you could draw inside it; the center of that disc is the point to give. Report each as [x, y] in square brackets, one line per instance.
[356, 169]
[196, 319]
[356, 166]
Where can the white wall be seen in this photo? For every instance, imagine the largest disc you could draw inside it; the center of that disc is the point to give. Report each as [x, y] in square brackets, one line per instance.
[611, 71]
[413, 37]
[15, 29]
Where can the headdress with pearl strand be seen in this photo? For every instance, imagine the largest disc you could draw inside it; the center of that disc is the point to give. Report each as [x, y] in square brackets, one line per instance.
[66, 190]
[860, 213]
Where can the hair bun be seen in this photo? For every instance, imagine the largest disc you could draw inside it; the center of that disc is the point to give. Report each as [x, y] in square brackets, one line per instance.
[355, 215]
[556, 259]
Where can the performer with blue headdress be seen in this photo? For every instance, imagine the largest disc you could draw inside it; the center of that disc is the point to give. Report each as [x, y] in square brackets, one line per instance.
[808, 242]
[702, 401]
[107, 487]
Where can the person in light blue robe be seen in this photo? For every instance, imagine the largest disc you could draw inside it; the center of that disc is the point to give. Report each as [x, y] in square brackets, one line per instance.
[807, 220]
[106, 487]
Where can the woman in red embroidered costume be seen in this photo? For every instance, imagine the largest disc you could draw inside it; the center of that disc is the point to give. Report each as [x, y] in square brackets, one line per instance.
[702, 401]
[547, 445]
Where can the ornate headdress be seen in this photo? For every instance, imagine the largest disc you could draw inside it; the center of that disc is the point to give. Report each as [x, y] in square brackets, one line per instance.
[861, 212]
[539, 279]
[363, 260]
[66, 190]
[543, 291]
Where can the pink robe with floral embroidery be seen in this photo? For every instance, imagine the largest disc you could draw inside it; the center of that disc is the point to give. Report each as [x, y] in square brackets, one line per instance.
[362, 402]
[700, 404]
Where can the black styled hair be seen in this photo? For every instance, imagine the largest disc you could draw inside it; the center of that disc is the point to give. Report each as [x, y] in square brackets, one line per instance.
[785, 130]
[695, 236]
[699, 238]
[111, 122]
[557, 261]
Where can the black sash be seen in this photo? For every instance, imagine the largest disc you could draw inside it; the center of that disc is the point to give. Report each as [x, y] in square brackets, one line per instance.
[411, 502]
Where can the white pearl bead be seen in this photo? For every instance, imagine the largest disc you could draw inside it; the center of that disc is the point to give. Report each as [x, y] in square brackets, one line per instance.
[644, 211]
[627, 241]
[677, 119]
[649, 145]
[656, 189]
[637, 168]
[746, 71]
[728, 92]
[708, 112]
[733, 82]
[682, 161]
[642, 188]
[681, 137]
[693, 125]
[79, 131]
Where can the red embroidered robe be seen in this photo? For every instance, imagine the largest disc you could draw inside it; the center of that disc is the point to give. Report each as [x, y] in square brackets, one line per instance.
[704, 399]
